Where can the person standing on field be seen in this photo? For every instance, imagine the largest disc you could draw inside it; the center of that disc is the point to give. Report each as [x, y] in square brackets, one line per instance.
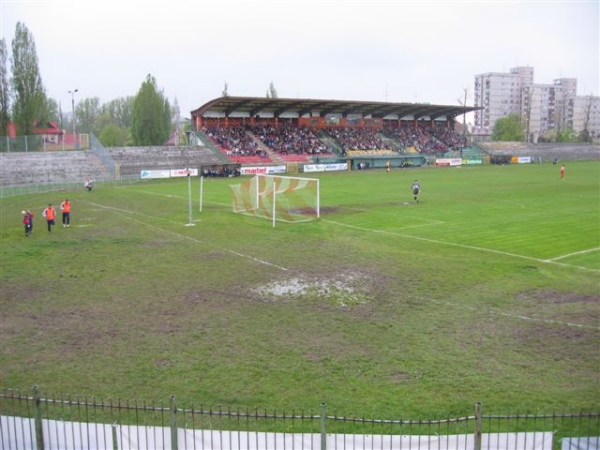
[27, 223]
[416, 188]
[50, 214]
[562, 171]
[65, 207]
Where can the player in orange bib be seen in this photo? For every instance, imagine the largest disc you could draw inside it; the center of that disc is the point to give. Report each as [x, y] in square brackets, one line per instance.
[65, 207]
[50, 214]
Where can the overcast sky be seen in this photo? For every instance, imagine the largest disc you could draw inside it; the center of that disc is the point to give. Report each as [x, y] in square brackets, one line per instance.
[371, 50]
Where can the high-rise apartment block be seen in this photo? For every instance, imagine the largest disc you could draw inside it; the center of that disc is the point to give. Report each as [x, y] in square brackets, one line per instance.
[543, 108]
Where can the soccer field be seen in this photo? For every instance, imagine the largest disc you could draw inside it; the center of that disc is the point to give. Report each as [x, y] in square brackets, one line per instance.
[486, 290]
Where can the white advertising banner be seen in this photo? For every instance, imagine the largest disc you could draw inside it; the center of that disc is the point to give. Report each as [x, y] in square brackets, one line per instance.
[149, 174]
[262, 170]
[325, 167]
[184, 172]
[167, 173]
[448, 161]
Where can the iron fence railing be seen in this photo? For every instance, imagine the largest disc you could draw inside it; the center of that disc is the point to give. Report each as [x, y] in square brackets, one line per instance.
[29, 420]
[44, 142]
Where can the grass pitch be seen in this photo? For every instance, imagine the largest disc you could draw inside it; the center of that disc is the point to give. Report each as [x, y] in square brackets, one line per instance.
[487, 290]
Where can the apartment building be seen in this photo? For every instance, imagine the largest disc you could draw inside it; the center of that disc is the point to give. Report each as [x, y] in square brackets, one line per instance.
[544, 108]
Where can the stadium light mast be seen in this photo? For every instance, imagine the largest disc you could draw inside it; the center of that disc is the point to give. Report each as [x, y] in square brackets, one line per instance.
[73, 107]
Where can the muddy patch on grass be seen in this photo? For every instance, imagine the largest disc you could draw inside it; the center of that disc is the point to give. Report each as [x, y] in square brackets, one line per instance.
[344, 289]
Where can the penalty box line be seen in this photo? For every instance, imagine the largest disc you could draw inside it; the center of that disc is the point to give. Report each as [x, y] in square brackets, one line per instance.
[154, 227]
[454, 244]
[568, 255]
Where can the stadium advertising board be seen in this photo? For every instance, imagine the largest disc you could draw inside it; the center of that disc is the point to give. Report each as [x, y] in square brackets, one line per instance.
[325, 167]
[166, 173]
[520, 160]
[448, 161]
[262, 170]
[183, 172]
[150, 174]
[471, 161]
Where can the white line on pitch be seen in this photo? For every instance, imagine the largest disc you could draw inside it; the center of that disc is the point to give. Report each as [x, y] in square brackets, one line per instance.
[453, 244]
[522, 317]
[233, 252]
[573, 254]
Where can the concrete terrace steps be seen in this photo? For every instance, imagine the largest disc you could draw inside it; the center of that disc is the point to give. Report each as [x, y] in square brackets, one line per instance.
[49, 167]
[30, 168]
[545, 151]
[132, 160]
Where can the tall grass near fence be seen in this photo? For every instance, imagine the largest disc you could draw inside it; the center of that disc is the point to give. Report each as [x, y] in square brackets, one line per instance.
[484, 291]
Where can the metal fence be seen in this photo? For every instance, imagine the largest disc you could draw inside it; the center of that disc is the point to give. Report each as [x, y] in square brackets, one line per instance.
[12, 191]
[32, 421]
[44, 142]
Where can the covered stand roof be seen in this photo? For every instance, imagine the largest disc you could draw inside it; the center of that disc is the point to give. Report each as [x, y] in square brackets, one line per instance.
[276, 107]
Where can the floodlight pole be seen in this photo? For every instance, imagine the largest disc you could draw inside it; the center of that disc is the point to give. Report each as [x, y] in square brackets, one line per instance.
[73, 107]
[73, 112]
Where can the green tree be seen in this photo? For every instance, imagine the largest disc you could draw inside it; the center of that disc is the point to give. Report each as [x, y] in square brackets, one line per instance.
[87, 112]
[121, 111]
[509, 128]
[52, 111]
[151, 115]
[29, 104]
[113, 136]
[4, 90]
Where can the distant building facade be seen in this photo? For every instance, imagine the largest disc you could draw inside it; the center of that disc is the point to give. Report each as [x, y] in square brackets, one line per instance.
[544, 108]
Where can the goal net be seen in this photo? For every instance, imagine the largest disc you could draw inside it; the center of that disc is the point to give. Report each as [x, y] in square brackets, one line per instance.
[279, 198]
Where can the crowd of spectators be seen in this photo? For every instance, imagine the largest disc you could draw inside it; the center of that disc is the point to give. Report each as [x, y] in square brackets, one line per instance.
[234, 141]
[288, 139]
[427, 141]
[451, 138]
[358, 138]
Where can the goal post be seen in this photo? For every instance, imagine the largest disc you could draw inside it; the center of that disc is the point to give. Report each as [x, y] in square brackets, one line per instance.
[278, 198]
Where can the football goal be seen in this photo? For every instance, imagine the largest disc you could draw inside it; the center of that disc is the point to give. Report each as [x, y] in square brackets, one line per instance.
[278, 198]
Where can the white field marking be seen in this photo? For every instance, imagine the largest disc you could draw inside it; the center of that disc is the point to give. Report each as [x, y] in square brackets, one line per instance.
[453, 244]
[161, 195]
[181, 236]
[522, 317]
[589, 250]
[181, 197]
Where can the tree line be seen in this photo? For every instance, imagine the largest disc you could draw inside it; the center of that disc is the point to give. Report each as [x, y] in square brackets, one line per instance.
[146, 118]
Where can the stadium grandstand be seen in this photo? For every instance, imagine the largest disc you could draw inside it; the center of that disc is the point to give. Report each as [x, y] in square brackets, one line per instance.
[254, 130]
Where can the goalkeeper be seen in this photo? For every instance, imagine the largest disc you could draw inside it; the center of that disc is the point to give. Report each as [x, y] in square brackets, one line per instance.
[416, 188]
